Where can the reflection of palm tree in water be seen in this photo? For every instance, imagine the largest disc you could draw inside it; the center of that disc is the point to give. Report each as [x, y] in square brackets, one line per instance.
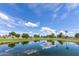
[66, 46]
[52, 42]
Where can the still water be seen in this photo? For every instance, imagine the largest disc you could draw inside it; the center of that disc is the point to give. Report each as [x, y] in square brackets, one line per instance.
[40, 48]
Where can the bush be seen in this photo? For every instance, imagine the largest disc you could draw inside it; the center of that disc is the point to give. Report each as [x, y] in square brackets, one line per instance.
[25, 35]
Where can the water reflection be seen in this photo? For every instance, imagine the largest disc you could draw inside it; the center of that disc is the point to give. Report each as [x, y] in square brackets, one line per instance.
[40, 48]
[31, 42]
[52, 42]
[6, 54]
[36, 40]
[17, 42]
[77, 43]
[32, 51]
[11, 45]
[61, 42]
[67, 46]
[25, 42]
[47, 45]
[8, 50]
[49, 40]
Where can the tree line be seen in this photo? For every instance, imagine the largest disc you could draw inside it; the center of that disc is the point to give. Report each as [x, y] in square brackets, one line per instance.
[24, 35]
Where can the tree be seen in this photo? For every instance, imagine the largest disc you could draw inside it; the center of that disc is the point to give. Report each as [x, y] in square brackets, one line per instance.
[66, 34]
[43, 36]
[77, 35]
[51, 36]
[12, 34]
[17, 35]
[36, 36]
[25, 35]
[60, 35]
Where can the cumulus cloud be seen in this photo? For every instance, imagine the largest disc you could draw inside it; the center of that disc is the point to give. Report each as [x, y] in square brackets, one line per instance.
[30, 24]
[47, 30]
[4, 17]
[7, 20]
[4, 32]
[10, 26]
[12, 22]
[61, 32]
[71, 34]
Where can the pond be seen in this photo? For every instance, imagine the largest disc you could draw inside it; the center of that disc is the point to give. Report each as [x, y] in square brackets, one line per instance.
[40, 48]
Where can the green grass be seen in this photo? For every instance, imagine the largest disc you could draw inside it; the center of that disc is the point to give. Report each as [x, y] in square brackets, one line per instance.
[2, 40]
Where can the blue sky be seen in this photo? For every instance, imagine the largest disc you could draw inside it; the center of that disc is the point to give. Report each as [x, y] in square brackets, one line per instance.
[39, 18]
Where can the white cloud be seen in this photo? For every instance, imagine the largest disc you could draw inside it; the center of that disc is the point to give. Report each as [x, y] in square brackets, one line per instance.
[10, 26]
[12, 22]
[71, 34]
[47, 30]
[7, 20]
[61, 32]
[4, 32]
[3, 16]
[30, 24]
[58, 8]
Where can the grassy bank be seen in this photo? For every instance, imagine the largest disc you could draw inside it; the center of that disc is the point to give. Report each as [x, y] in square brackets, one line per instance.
[2, 40]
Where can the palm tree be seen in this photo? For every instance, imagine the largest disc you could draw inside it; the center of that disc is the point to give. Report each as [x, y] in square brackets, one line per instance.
[61, 35]
[67, 46]
[66, 33]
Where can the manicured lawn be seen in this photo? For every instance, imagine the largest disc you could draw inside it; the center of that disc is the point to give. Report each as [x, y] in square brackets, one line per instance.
[2, 40]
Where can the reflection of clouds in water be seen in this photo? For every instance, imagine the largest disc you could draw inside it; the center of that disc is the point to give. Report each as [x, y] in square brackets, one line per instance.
[57, 43]
[8, 50]
[71, 44]
[31, 42]
[28, 52]
[46, 45]
[43, 41]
